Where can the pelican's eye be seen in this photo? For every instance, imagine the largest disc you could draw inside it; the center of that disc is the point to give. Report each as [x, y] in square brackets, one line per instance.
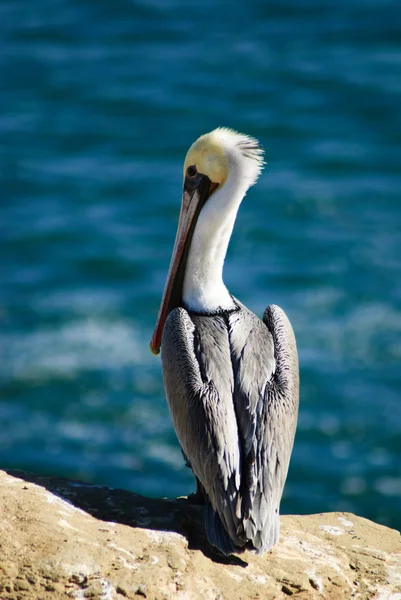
[192, 172]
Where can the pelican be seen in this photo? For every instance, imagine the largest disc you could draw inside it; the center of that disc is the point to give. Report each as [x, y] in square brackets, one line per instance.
[231, 379]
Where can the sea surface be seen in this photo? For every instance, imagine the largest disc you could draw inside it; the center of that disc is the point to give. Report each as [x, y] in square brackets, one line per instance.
[99, 102]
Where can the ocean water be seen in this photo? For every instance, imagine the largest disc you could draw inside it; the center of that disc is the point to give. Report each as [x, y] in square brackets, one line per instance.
[99, 102]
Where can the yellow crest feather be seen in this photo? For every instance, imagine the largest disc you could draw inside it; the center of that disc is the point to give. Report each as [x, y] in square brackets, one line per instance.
[210, 154]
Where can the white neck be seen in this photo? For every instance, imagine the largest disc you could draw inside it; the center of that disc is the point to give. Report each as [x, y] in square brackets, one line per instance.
[204, 290]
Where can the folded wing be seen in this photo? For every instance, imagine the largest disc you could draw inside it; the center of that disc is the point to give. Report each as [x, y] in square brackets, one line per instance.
[198, 381]
[265, 364]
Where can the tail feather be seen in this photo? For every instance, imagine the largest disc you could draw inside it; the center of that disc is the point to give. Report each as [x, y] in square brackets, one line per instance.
[217, 534]
[248, 535]
[266, 538]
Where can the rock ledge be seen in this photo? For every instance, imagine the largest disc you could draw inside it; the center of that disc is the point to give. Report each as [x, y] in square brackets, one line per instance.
[63, 539]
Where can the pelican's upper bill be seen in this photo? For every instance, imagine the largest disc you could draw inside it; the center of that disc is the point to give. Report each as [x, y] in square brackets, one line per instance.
[214, 153]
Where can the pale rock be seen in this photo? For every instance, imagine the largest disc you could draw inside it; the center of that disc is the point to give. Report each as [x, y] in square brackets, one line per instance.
[61, 539]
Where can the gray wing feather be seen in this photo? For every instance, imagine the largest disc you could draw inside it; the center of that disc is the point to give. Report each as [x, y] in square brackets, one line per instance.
[265, 361]
[199, 394]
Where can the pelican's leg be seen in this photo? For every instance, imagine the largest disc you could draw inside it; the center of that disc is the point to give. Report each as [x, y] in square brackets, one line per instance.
[198, 497]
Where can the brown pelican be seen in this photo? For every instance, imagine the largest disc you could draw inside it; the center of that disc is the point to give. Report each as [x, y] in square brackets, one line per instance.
[231, 380]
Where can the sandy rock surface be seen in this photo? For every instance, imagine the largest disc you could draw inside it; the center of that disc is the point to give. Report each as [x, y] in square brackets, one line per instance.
[65, 539]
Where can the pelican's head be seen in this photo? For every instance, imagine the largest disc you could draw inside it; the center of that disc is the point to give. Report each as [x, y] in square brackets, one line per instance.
[222, 152]
[214, 160]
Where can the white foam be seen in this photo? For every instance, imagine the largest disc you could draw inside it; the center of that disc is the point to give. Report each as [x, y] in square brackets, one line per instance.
[79, 345]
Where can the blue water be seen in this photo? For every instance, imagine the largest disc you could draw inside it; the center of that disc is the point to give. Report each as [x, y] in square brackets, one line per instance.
[99, 102]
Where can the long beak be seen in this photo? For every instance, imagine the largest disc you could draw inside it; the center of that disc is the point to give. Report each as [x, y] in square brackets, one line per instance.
[194, 196]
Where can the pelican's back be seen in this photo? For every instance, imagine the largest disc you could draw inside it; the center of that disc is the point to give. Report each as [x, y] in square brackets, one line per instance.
[231, 383]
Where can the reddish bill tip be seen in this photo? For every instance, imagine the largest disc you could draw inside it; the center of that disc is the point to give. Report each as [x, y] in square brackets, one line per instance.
[154, 349]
